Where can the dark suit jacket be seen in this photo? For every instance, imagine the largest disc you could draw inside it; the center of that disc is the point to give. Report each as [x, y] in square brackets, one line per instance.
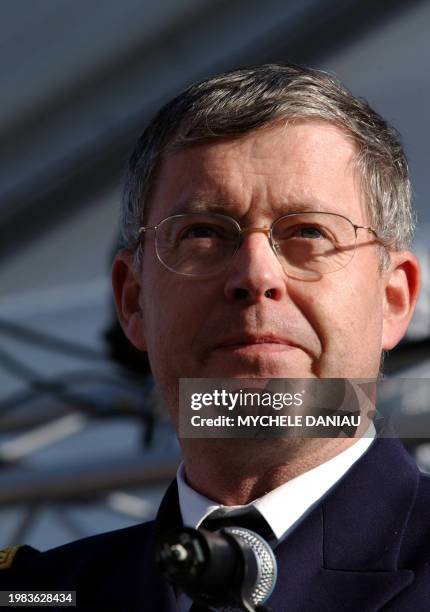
[364, 547]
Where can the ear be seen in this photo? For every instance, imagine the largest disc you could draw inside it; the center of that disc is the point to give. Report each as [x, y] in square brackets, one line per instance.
[402, 285]
[126, 287]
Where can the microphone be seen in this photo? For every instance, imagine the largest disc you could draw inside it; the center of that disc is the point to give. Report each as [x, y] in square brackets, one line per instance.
[232, 569]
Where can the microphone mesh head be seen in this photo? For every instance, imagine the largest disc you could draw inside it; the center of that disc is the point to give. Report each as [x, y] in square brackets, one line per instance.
[267, 567]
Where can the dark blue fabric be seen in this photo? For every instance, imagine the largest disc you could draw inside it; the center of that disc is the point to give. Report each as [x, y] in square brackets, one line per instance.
[365, 547]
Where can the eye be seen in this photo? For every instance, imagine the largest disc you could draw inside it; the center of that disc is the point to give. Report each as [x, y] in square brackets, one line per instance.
[312, 232]
[302, 231]
[201, 230]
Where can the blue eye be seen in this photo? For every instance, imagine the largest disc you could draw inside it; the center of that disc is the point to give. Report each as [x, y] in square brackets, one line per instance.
[301, 231]
[311, 232]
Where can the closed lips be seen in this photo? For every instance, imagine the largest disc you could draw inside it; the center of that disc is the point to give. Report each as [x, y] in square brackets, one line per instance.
[250, 340]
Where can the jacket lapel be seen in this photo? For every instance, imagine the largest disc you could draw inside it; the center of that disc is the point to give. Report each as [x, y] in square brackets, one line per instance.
[343, 556]
[157, 594]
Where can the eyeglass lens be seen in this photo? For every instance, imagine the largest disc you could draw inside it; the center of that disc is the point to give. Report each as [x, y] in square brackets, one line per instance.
[307, 244]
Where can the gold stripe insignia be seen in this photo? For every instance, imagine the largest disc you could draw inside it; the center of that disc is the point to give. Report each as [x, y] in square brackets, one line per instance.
[7, 555]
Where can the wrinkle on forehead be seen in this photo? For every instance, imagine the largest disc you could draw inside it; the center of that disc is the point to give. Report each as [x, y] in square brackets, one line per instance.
[308, 135]
[308, 165]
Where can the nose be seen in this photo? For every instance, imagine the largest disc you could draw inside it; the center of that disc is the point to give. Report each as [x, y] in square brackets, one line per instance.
[255, 273]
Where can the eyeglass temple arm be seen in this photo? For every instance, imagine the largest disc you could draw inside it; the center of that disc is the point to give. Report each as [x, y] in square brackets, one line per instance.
[367, 228]
[144, 229]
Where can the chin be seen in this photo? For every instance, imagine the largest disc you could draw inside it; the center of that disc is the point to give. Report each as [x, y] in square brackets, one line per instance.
[257, 368]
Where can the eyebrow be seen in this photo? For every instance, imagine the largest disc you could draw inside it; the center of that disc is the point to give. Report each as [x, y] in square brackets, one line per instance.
[203, 205]
[220, 206]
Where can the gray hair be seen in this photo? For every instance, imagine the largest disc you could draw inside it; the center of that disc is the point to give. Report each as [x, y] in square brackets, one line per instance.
[237, 102]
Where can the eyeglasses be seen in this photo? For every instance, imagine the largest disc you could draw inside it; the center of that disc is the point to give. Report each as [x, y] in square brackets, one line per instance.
[307, 244]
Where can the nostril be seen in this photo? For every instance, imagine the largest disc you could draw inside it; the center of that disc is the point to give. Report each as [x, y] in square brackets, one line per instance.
[243, 294]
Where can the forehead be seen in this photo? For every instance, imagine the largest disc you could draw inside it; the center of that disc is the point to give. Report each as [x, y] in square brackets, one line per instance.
[276, 170]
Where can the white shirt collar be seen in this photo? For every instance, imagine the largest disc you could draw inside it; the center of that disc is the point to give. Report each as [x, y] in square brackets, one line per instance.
[285, 506]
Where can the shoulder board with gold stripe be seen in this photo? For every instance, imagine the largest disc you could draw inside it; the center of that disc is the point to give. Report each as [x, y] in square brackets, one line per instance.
[15, 555]
[7, 556]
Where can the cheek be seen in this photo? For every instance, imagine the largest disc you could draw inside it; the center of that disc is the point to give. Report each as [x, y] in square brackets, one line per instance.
[173, 313]
[354, 329]
[345, 314]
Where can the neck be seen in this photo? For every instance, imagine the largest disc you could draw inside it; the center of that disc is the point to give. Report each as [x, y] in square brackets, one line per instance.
[235, 472]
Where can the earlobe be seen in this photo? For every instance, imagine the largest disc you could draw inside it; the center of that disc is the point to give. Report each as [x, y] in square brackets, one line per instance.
[402, 285]
[126, 291]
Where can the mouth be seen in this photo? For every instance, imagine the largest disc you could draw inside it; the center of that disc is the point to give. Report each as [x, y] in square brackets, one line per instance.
[247, 354]
[251, 344]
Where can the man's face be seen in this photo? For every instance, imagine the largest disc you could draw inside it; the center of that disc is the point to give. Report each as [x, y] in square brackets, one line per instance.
[253, 320]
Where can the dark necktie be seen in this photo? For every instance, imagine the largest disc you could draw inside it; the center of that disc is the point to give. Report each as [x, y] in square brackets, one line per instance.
[169, 516]
[251, 519]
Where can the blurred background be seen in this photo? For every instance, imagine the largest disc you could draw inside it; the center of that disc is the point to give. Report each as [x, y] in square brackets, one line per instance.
[85, 445]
